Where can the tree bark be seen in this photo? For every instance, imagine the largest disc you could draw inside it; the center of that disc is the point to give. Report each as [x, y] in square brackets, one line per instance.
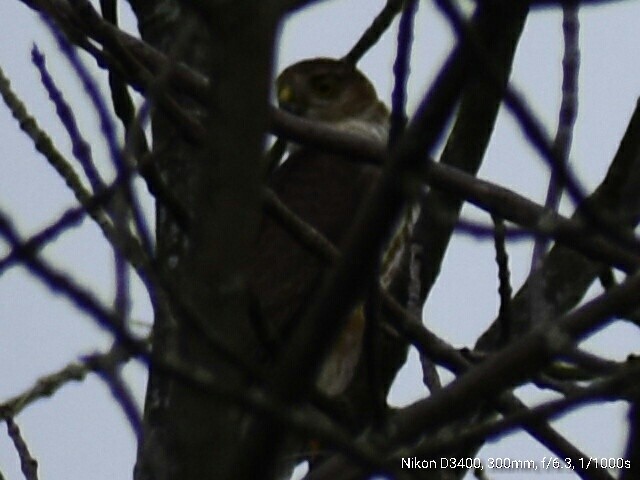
[190, 434]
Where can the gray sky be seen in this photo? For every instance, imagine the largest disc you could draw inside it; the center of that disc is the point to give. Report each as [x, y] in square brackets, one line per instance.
[80, 432]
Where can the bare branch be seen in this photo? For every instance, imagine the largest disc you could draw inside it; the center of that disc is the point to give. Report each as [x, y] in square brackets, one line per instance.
[28, 464]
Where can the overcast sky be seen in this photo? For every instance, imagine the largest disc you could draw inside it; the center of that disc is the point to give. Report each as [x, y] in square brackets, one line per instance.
[80, 433]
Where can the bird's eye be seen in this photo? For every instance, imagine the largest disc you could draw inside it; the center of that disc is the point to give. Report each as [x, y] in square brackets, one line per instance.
[325, 85]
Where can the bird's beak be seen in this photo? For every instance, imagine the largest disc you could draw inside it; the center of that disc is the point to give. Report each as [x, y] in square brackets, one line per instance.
[288, 102]
[285, 95]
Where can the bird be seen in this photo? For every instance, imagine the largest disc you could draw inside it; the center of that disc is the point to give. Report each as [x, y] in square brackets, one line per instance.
[324, 189]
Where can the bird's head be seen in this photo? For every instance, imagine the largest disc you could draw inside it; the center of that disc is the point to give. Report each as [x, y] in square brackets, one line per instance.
[331, 91]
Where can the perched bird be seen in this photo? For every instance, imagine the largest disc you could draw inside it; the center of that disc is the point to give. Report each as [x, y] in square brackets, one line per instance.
[325, 190]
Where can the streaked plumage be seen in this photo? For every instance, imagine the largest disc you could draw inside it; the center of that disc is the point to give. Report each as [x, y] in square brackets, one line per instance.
[326, 191]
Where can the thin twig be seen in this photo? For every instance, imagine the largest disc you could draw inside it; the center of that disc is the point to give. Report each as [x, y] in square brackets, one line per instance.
[44, 145]
[566, 118]
[372, 34]
[108, 129]
[504, 288]
[561, 147]
[80, 147]
[109, 371]
[120, 97]
[47, 385]
[401, 69]
[28, 464]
